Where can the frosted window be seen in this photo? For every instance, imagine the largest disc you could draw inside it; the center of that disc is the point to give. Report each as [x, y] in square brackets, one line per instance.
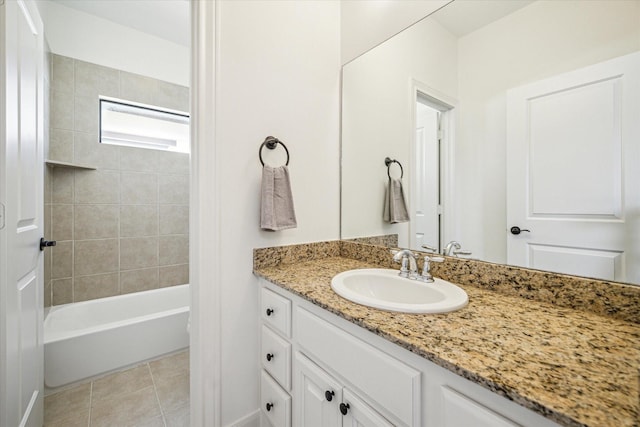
[143, 126]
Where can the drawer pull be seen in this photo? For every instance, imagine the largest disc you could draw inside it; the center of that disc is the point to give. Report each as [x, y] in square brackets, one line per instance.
[269, 406]
[269, 311]
[269, 357]
[329, 395]
[344, 408]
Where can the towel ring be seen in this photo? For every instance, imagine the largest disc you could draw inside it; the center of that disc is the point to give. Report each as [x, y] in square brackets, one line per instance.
[388, 161]
[271, 143]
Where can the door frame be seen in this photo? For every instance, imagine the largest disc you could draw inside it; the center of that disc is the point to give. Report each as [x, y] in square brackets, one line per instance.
[448, 106]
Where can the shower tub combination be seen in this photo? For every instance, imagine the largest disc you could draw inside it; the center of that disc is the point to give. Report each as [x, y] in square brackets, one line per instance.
[86, 339]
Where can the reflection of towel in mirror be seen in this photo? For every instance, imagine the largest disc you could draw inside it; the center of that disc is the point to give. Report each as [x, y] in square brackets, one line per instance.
[276, 212]
[395, 207]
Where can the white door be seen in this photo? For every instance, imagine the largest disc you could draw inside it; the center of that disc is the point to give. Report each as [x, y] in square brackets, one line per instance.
[318, 396]
[426, 188]
[21, 194]
[573, 176]
[358, 414]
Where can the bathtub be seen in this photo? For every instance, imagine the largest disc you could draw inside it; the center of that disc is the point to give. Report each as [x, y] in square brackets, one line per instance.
[89, 338]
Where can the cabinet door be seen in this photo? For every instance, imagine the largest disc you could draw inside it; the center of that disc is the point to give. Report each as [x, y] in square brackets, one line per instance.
[360, 414]
[318, 396]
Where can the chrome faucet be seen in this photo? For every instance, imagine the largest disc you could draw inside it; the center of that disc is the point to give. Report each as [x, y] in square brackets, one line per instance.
[426, 267]
[454, 247]
[409, 266]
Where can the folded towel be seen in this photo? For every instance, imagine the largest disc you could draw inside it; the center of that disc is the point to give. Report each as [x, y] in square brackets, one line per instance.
[395, 207]
[277, 212]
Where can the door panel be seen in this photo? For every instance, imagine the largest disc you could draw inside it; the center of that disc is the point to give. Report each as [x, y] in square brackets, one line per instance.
[312, 405]
[360, 414]
[21, 191]
[572, 176]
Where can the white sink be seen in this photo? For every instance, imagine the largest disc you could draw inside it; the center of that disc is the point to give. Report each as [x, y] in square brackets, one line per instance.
[384, 289]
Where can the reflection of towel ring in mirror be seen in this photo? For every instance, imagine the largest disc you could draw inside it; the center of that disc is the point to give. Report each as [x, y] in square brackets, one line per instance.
[271, 143]
[388, 161]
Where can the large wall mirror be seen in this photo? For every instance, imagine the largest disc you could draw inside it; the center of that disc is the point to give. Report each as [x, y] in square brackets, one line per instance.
[517, 125]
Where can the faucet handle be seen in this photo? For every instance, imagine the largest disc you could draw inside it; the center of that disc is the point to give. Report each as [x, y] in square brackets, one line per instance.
[429, 248]
[461, 252]
[426, 267]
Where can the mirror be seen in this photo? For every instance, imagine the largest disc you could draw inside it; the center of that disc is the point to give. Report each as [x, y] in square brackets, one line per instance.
[534, 130]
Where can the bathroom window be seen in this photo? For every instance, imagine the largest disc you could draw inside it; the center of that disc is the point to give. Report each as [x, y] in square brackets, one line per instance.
[143, 126]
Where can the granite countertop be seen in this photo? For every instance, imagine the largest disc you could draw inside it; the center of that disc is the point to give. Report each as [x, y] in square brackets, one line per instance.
[574, 367]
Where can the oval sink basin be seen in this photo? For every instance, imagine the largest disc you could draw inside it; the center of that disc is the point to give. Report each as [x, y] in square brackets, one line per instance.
[384, 289]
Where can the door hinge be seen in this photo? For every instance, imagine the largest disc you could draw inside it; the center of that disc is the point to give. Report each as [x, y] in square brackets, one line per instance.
[440, 134]
[440, 209]
[1, 210]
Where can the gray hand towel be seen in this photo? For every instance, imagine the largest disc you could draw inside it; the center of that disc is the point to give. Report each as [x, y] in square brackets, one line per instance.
[395, 207]
[277, 212]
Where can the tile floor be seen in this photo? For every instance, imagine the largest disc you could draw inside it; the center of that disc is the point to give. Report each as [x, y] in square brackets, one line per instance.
[148, 395]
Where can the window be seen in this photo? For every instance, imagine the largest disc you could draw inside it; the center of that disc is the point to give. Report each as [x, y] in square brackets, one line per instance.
[143, 126]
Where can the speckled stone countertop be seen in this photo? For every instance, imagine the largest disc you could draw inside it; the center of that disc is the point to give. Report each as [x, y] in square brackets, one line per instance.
[574, 367]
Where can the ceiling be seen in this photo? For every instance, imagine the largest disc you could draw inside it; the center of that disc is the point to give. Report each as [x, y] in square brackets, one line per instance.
[166, 19]
[462, 17]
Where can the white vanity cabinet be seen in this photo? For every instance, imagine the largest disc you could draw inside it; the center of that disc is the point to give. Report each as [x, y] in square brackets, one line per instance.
[325, 371]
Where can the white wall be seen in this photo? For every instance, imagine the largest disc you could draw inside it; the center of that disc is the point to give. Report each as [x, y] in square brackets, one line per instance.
[86, 37]
[377, 119]
[538, 41]
[367, 23]
[278, 72]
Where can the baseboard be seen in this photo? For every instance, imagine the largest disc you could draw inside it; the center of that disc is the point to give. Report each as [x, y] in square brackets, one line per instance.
[251, 420]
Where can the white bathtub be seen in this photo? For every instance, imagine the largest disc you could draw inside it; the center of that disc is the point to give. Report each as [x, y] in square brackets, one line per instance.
[86, 339]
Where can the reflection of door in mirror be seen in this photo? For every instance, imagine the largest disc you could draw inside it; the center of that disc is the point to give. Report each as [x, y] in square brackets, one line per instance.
[572, 139]
[426, 200]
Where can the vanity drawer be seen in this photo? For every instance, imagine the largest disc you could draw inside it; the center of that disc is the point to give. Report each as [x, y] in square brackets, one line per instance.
[461, 410]
[276, 357]
[276, 312]
[383, 379]
[275, 402]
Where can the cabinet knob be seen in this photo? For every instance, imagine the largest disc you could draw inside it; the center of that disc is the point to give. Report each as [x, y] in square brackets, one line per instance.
[269, 406]
[344, 408]
[329, 395]
[269, 357]
[269, 311]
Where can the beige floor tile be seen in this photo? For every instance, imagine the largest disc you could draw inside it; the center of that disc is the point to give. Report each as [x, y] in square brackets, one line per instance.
[171, 365]
[179, 417]
[77, 419]
[127, 409]
[155, 422]
[67, 403]
[128, 381]
[173, 391]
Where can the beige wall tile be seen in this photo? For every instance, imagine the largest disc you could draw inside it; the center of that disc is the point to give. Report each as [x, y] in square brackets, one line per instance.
[128, 381]
[173, 275]
[137, 88]
[48, 184]
[172, 162]
[138, 280]
[62, 74]
[61, 115]
[62, 185]
[138, 252]
[138, 220]
[138, 159]
[139, 188]
[61, 145]
[86, 114]
[93, 287]
[62, 260]
[173, 189]
[59, 405]
[95, 256]
[62, 222]
[96, 221]
[61, 291]
[87, 150]
[97, 187]
[47, 293]
[173, 219]
[47, 221]
[172, 96]
[129, 409]
[173, 250]
[93, 80]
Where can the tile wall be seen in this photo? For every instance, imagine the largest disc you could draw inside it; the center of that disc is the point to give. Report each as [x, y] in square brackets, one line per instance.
[123, 227]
